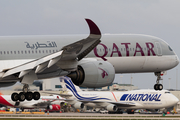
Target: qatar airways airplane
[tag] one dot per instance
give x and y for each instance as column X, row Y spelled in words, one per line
column 89, row 61
column 47, row 102
column 113, row 101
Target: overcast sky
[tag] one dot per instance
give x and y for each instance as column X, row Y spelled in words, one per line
column 160, row 18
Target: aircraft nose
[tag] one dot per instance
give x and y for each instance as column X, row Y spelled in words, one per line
column 175, row 100
column 177, row 60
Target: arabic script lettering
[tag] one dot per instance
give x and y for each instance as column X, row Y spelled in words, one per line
column 41, row 45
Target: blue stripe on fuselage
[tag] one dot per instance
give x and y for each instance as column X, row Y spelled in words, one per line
column 72, row 88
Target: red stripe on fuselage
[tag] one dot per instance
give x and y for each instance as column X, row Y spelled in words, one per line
column 4, row 101
column 114, row 96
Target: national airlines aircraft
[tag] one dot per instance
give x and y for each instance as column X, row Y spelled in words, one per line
column 112, row 101
column 89, row 61
column 47, row 102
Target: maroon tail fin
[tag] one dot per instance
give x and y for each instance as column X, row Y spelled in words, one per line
column 93, row 27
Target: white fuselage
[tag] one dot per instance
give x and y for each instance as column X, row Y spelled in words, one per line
column 127, row 53
column 41, row 103
column 135, row 99
column 141, row 99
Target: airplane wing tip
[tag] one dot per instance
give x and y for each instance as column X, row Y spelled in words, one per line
column 93, row 27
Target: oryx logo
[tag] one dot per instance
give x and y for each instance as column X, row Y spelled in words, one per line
column 72, row 88
column 140, row 97
column 104, row 73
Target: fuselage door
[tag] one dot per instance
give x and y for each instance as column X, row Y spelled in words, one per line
column 158, row 49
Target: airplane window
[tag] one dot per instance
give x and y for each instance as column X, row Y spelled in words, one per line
column 170, row 48
column 36, row 51
column 4, row 52
column 53, row 51
column 21, row 52
column 29, row 52
column 56, row 50
column 0, row 52
column 43, row 51
column 39, row 51
column 130, row 49
column 7, row 52
column 25, row 52
column 46, row 51
column 121, row 49
column 32, row 51
column 144, row 48
column 109, row 49
column 100, row 50
column 167, row 92
column 11, row 52
column 133, row 49
column 18, row 52
column 14, row 52
column 49, row 51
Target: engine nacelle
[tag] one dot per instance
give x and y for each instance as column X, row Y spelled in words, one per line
column 79, row 105
column 54, row 107
column 111, row 108
column 93, row 74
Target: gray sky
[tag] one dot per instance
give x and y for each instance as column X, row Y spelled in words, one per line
column 160, row 18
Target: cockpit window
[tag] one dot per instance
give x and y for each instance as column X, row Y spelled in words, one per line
column 170, row 48
column 167, row 92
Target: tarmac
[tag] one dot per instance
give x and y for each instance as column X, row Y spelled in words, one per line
column 92, row 116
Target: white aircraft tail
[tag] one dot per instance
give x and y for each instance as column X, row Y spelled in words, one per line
column 68, row 85
column 75, row 90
